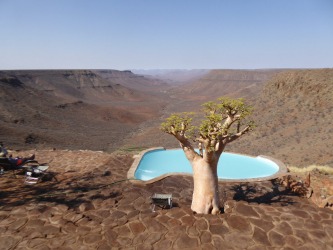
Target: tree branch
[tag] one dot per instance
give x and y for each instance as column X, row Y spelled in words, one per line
column 200, row 149
column 239, row 134
column 187, row 147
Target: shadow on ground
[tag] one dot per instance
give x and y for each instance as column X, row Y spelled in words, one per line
column 71, row 190
column 252, row 192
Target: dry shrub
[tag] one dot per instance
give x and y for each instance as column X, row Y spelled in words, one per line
column 296, row 185
column 322, row 169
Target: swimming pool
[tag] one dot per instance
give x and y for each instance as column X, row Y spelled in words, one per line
column 158, row 163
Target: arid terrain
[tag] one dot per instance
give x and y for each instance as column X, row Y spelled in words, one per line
column 113, row 110
column 86, row 125
column 91, row 205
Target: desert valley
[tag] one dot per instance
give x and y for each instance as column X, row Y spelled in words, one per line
column 109, row 110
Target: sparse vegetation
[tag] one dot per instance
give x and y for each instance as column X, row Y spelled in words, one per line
column 132, row 149
column 322, row 169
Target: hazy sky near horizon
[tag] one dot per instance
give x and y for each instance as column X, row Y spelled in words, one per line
column 170, row 34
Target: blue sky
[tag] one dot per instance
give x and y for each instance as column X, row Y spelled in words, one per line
column 165, row 34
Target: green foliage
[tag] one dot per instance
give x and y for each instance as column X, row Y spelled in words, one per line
column 211, row 126
column 216, row 114
column 227, row 106
column 133, row 149
column 221, row 118
column 179, row 123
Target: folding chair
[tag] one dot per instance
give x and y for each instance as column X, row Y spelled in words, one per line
column 161, row 200
column 35, row 173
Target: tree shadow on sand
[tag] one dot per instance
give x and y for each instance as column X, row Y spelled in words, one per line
column 71, row 191
column 252, row 192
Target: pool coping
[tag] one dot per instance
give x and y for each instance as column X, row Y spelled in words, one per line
column 137, row 158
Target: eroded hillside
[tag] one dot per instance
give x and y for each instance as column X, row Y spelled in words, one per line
column 234, row 83
column 76, row 109
column 294, row 117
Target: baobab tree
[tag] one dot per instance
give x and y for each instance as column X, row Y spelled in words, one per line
column 224, row 122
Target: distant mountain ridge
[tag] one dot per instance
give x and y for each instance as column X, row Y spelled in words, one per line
column 234, row 83
column 174, row 76
column 130, row 80
column 86, row 85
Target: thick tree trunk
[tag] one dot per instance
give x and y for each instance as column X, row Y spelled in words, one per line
column 205, row 194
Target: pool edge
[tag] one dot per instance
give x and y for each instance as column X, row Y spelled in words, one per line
column 131, row 172
column 135, row 164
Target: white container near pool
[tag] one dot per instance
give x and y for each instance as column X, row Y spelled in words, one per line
column 157, row 163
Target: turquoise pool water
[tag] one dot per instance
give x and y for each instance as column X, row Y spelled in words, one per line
column 231, row 166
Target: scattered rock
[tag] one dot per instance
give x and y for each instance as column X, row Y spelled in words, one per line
column 86, row 207
column 184, row 241
column 239, row 223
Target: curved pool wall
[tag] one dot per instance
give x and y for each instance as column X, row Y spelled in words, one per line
column 157, row 163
